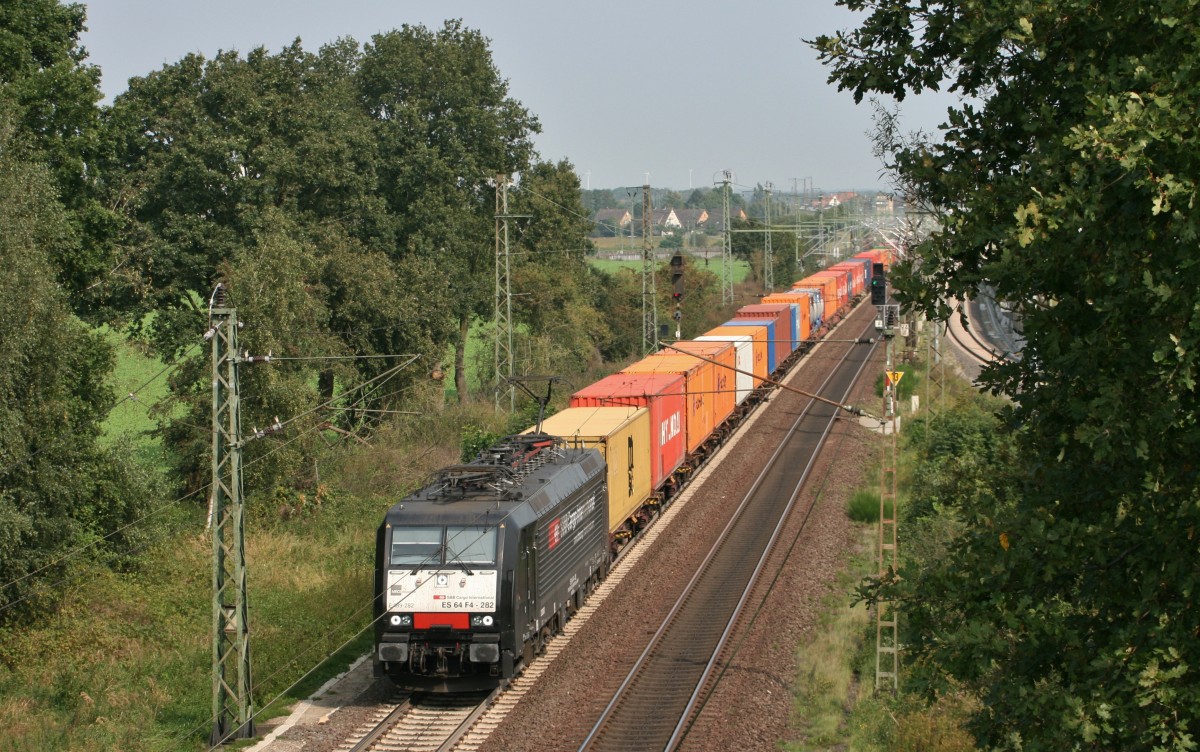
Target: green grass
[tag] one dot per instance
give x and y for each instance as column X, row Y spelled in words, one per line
column 827, row 679
column 864, row 506
column 126, row 663
column 143, row 375
column 741, row 269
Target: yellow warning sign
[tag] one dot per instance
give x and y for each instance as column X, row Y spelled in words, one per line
column 894, row 377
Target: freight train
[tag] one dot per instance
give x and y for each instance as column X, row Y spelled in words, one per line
column 476, row 570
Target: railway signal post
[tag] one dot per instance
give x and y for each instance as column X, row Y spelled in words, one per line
column 887, row 617
column 649, row 289
column 233, row 714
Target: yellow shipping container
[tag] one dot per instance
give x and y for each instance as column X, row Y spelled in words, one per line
column 622, row 434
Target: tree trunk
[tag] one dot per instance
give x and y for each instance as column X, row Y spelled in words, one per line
column 325, row 386
column 460, row 357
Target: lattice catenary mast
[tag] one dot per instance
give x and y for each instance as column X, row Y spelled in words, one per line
column 233, row 713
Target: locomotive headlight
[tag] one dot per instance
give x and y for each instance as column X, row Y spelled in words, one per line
column 487, row 621
column 482, row 620
column 400, row 620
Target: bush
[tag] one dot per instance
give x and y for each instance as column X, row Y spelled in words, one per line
column 908, row 383
column 864, row 506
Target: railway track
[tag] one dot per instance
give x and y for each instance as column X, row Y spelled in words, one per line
column 420, row 723
column 399, row 725
column 655, row 705
column 977, row 349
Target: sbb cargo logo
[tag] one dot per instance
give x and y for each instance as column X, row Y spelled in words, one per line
column 569, row 521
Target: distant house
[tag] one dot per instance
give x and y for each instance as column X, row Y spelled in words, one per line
column 666, row 219
column 691, row 218
column 832, row 200
column 611, row 221
column 715, row 222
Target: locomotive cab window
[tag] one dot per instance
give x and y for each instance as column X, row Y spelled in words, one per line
column 470, row 545
column 437, row 546
column 420, row 546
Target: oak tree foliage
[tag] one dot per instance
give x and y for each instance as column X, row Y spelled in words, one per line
column 60, row 491
column 1065, row 178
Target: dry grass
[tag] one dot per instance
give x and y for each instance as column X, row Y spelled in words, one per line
column 826, row 683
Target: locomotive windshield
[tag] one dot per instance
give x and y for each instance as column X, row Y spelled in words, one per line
column 471, row 545
column 416, row 545
column 434, row 546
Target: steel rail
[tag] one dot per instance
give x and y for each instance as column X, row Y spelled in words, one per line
column 686, row 719
column 383, row 726
column 394, row 721
column 740, row 521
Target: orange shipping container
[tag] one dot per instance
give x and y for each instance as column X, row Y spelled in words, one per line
column 758, row 335
column 796, row 299
column 724, row 395
column 829, row 290
column 699, row 382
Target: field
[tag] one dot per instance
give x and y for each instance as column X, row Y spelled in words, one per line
column 143, row 376
column 741, row 269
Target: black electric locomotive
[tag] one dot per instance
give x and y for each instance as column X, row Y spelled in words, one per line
column 477, row 569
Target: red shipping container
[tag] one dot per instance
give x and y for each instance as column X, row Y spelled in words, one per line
column 858, row 275
column 782, row 315
column 663, row 394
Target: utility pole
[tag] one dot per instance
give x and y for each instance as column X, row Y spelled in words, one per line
column 503, row 298
column 232, row 704
column 796, row 197
column 649, row 291
column 768, row 255
column 726, row 243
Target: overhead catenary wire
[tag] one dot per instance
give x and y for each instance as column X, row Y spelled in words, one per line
column 130, row 396
column 848, row 408
column 171, row 504
column 427, row 561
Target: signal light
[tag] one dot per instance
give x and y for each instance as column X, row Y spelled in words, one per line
column 879, row 291
column 677, row 277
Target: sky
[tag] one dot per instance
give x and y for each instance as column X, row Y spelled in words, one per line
column 630, row 91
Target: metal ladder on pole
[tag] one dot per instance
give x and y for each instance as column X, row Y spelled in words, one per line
column 887, row 614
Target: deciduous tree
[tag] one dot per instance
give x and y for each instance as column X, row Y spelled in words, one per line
column 1065, row 178
column 446, row 128
column 51, row 94
column 58, row 488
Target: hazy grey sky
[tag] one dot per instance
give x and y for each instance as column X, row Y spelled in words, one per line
column 622, row 87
